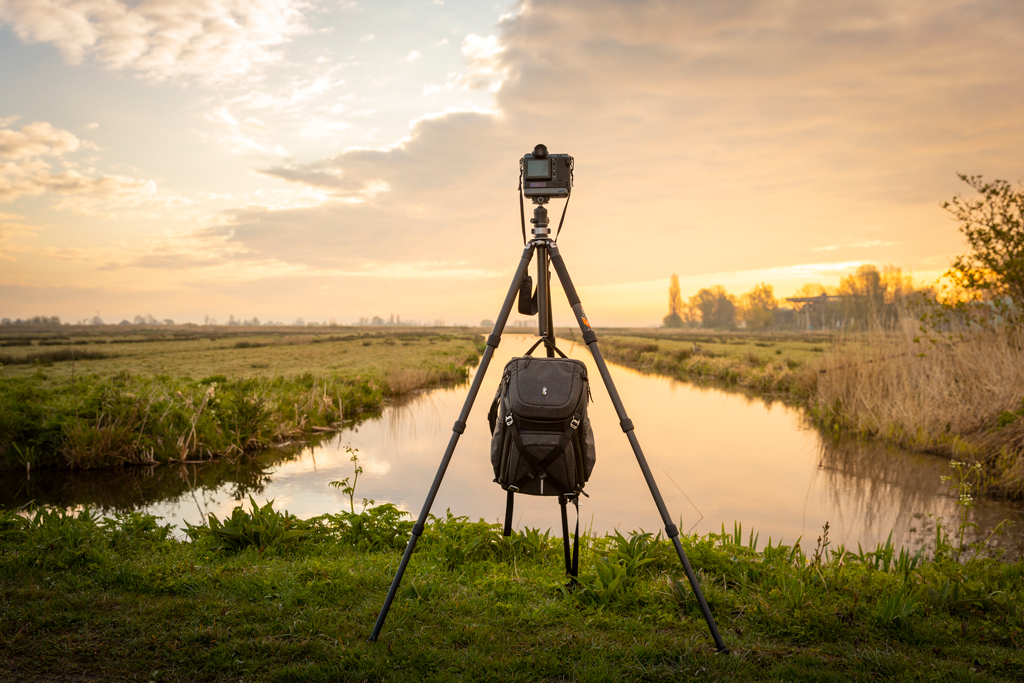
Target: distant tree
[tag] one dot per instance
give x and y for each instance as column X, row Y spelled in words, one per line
column 993, row 223
column 873, row 298
column 675, row 304
column 757, row 307
column 486, row 323
column 810, row 289
column 168, row 321
column 716, row 306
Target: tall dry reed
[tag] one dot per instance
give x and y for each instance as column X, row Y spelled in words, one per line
column 959, row 395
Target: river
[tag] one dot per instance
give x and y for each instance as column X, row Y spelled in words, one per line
column 719, row 457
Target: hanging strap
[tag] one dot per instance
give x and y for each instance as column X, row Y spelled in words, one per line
column 509, row 503
column 522, row 211
column 564, row 208
column 547, row 342
column 572, row 566
column 576, row 542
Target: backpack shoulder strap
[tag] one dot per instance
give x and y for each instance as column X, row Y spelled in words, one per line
column 548, row 343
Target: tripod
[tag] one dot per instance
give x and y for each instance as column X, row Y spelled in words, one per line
column 546, row 251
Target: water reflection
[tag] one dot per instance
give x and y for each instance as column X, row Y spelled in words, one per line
column 717, row 456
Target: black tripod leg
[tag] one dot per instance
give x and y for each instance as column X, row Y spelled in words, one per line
column 671, row 530
column 457, row 430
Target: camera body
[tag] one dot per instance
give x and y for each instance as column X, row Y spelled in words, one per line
column 547, row 175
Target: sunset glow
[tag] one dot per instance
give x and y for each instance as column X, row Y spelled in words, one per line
column 335, row 160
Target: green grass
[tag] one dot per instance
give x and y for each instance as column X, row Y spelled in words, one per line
column 118, row 599
column 160, row 397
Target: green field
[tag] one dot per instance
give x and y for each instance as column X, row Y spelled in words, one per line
column 101, row 397
column 213, row 351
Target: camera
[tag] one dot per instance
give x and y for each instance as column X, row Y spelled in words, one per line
column 546, row 175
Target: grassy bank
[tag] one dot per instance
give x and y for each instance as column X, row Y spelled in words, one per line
column 155, row 396
column 770, row 365
column 262, row 596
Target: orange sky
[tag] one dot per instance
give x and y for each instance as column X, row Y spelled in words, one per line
column 286, row 159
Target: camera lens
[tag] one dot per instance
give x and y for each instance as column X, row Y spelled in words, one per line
column 540, row 151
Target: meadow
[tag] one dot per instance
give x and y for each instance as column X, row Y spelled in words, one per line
column 103, row 397
column 263, row 596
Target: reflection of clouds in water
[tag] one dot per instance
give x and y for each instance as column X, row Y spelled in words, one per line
column 374, row 467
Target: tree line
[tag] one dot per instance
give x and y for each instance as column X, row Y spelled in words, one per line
column 864, row 298
column 986, row 284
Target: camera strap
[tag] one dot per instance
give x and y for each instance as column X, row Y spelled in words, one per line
column 560, row 220
column 564, row 208
column 522, row 211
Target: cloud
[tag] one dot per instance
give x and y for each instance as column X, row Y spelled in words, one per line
column 413, row 56
column 485, row 68
column 35, row 140
column 112, row 196
column 709, row 139
column 294, row 96
column 731, row 136
column 25, row 172
column 210, row 41
column 247, row 137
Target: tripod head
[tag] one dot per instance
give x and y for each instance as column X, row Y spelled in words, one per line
column 540, row 230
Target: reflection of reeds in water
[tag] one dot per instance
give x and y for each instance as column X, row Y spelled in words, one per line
column 961, row 397
column 877, row 487
column 881, row 489
column 126, row 489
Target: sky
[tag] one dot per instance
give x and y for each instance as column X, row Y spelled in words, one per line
column 334, row 160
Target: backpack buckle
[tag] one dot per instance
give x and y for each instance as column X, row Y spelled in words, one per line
column 575, row 421
column 508, row 419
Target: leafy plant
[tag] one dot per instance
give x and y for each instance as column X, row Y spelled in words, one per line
column 896, row 605
column 375, row 528
column 349, row 489
column 261, row 528
column 135, row 530
column 457, row 541
column 13, row 525
column 61, row 539
column 617, row 571
column 961, row 486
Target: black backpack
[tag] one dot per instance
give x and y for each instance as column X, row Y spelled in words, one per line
column 542, row 443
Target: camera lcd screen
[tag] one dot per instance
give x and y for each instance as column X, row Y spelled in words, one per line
column 538, row 169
